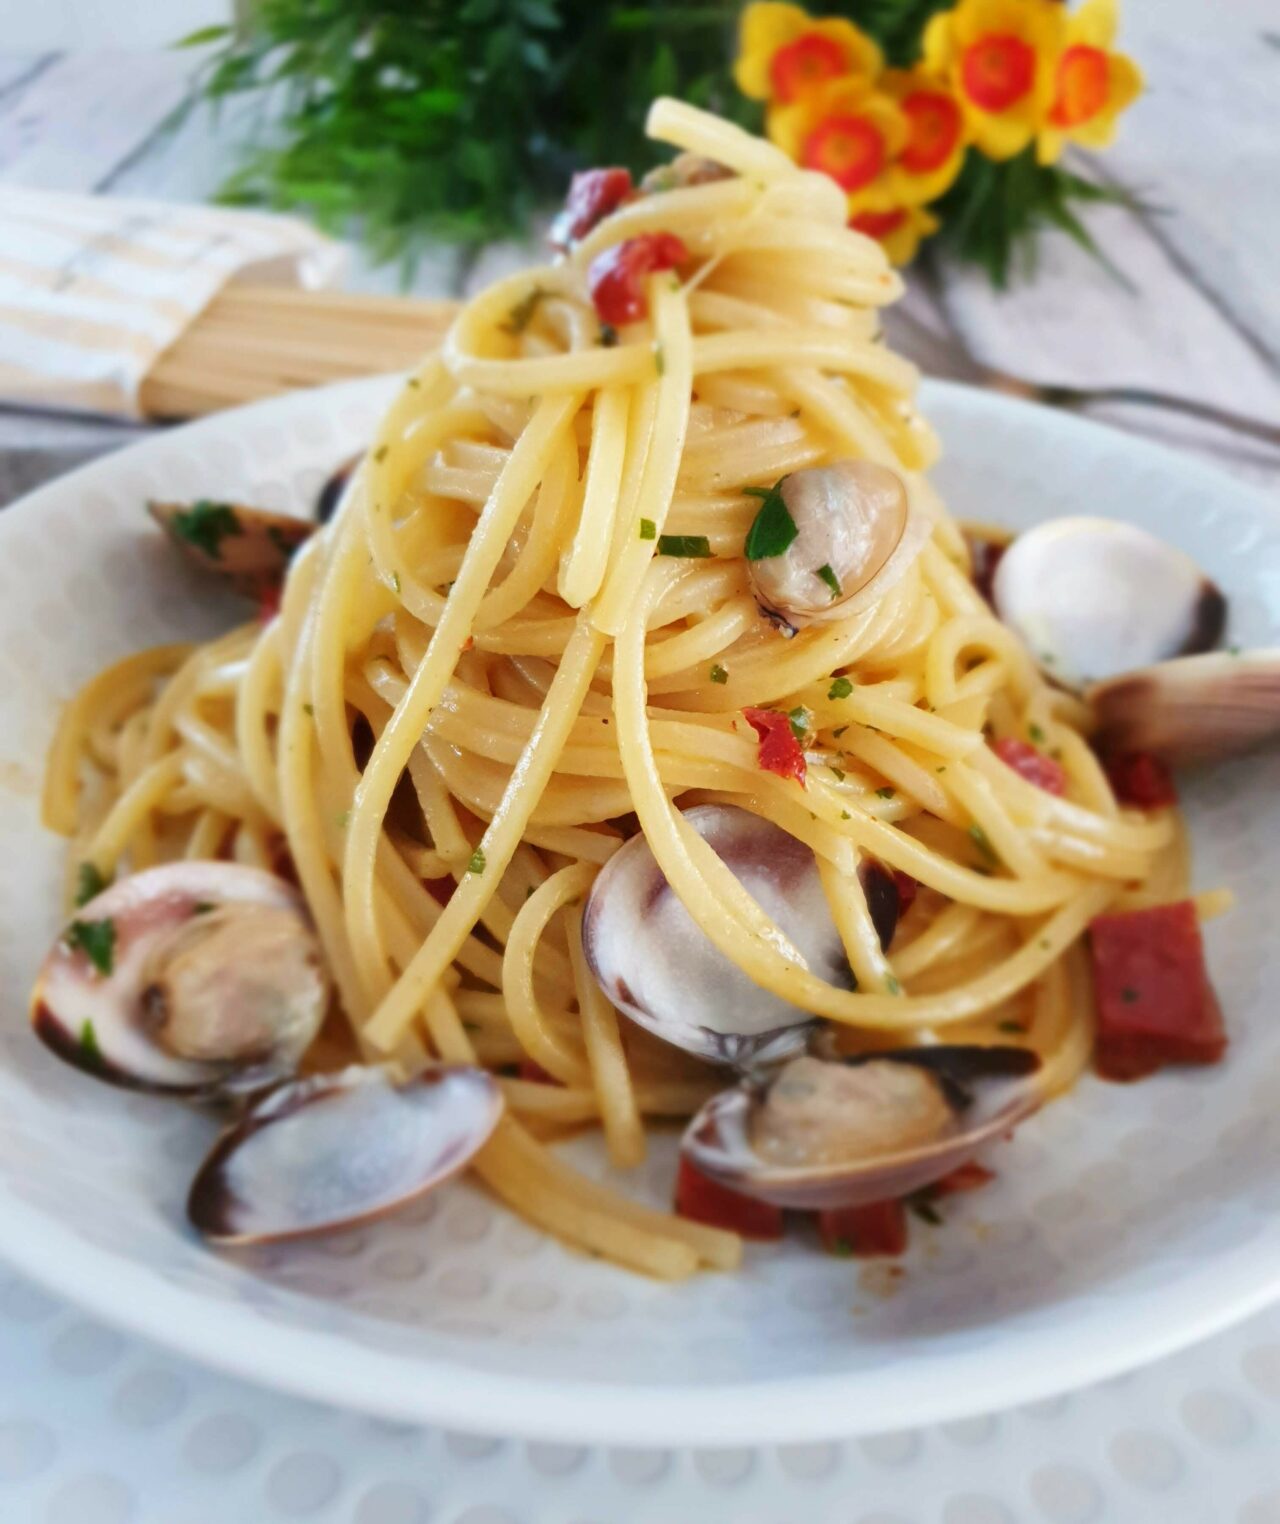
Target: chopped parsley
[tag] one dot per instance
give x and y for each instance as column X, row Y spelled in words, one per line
column 838, row 733
column 982, row 841
column 840, row 688
column 205, row 525
column 648, row 529
column 799, row 717
column 839, row 774
column 773, row 529
column 282, row 541
column 696, row 546
column 718, row 674
column 1014, row 1028
column 96, row 940
column 90, row 882
column 660, row 359
column 380, row 454
column 395, row 581
column 1036, row 734
column 926, row 1211
column 845, row 815
column 475, row 863
column 309, row 709
column 89, row 1043
column 608, row 335
column 886, row 792
column 521, row 315
column 830, row 578
column 344, row 819
column 893, row 984
column 203, row 907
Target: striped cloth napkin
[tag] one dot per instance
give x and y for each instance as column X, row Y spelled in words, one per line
column 93, row 290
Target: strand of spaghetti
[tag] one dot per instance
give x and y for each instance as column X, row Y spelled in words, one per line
column 528, row 780
column 583, row 566
column 558, row 1104
column 259, row 695
column 544, row 1045
column 132, row 675
column 391, row 752
column 949, row 928
column 619, row 1107
column 847, row 902
column 137, row 801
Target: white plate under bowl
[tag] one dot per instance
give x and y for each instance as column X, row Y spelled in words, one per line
column 1126, row 1220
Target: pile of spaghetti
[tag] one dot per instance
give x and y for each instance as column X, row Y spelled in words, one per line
column 529, row 631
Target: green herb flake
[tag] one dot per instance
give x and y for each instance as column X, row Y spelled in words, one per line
column 940, row 769
column 309, row 709
column 89, row 1048
column 886, row 792
column 521, row 315
column 838, row 733
column 380, row 454
column 982, row 841
column 608, row 336
column 1036, row 734
column 203, row 907
column 395, row 581
column 773, row 529
column 893, row 984
column 413, row 383
column 475, row 863
column 845, row 815
column 799, row 717
column 838, row 772
column 1129, row 995
column 840, row 688
column 718, row 674
column 660, row 359
column 694, row 546
column 96, row 940
column 90, row 882
column 1014, row 1028
column 926, row 1212
column 205, row 525
column 648, row 529
column 344, row 819
column 830, row 578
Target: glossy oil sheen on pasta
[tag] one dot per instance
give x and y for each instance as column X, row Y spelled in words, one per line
column 482, row 666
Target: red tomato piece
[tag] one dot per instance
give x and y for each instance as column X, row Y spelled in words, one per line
column 1155, row 1003
column 880, row 1227
column 701, row 1199
column 1141, row 779
column 1032, row 765
column 616, row 277
column 269, row 602
column 780, row 751
column 967, row 1177
column 593, row 195
column 908, row 888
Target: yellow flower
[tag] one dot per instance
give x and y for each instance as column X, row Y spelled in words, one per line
column 849, row 130
column 1092, row 85
column 899, row 231
column 1001, row 58
column 937, row 136
column 784, row 52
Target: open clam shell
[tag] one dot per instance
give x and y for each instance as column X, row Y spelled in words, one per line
column 820, row 1134
column 249, row 547
column 195, row 979
column 1092, row 598
column 1195, row 709
column 658, row 968
column 340, row 1149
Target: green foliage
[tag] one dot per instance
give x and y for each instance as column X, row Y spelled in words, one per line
column 897, row 25
column 405, row 121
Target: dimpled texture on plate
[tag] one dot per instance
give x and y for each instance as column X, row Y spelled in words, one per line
column 1124, row 1221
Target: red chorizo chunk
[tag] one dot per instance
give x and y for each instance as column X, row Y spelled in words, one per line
column 1032, row 765
column 701, row 1199
column 879, row 1227
column 1155, row 1003
column 616, row 277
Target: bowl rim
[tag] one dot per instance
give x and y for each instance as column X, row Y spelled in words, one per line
column 1032, row 1361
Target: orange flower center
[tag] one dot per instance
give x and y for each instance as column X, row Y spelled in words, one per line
column 998, row 71
column 878, row 224
column 848, row 148
column 1082, row 86
column 933, row 123
column 807, row 61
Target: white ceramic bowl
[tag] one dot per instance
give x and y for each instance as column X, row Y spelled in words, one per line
column 1125, row 1222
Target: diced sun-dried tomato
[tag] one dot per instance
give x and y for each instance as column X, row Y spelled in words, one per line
column 780, row 751
column 702, row 1199
column 1155, row 1003
column 880, row 1227
column 616, row 277
column 593, row 195
column 1141, row 779
column 965, row 1177
column 1031, row 764
column 908, row 888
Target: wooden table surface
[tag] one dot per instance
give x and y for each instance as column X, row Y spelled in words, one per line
column 1198, row 312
